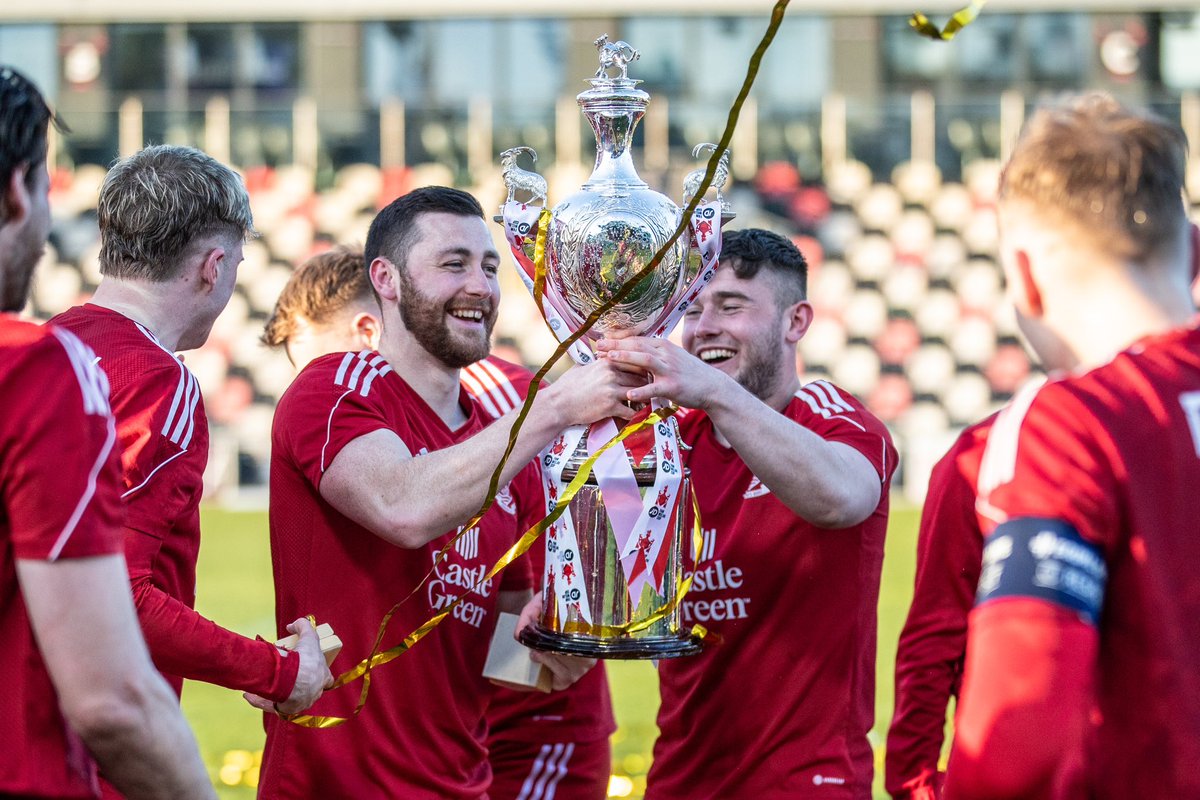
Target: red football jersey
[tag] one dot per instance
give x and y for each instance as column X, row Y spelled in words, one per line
column 59, row 498
column 162, row 436
column 933, row 643
column 1107, row 462
column 582, row 713
column 780, row 706
column 421, row 734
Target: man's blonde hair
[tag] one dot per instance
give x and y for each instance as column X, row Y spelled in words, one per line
column 156, row 204
column 1114, row 174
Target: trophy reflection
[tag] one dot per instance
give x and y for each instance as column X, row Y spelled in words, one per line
column 613, row 580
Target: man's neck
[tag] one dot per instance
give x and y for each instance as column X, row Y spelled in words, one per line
column 1100, row 320
column 146, row 303
column 437, row 384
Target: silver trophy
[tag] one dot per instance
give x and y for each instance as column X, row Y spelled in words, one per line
column 596, row 241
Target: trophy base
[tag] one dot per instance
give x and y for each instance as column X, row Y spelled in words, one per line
column 659, row 647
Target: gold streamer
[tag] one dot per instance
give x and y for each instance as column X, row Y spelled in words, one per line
column 539, row 260
column 959, row 20
column 377, row 658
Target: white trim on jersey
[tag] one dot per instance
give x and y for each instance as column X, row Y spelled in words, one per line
column 93, row 384
column 364, row 361
column 329, row 422
column 178, row 429
column 825, row 400
column 548, row 769
column 151, row 475
column 481, row 394
column 491, row 388
column 999, row 462
column 88, row 492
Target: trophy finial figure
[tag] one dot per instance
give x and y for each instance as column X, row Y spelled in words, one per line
column 615, row 54
column 518, row 179
column 691, row 183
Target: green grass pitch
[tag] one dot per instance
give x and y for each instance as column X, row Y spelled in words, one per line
column 234, row 589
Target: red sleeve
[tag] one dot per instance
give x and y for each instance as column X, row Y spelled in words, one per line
column 1026, row 691
column 58, row 466
column 933, row 643
column 319, row 401
column 165, row 479
column 838, row 416
column 185, row 644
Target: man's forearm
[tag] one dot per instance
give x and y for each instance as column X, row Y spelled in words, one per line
column 148, row 752
column 816, row 479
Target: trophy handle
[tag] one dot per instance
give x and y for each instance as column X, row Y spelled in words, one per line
column 518, row 179
column 692, row 181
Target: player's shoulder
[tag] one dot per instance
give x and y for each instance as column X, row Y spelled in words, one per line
column 16, row 335
column 496, row 385
column 43, row 360
column 337, row 374
column 130, row 352
column 821, row 399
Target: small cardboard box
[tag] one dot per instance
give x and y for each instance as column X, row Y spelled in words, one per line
column 331, row 645
column 508, row 662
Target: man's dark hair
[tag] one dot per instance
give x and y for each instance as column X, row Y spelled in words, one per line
column 393, row 229
column 25, row 120
column 747, row 251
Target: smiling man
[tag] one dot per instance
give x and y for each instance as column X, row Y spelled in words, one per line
column 792, row 481
column 378, row 458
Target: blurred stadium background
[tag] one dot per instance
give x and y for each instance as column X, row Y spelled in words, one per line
column 876, row 150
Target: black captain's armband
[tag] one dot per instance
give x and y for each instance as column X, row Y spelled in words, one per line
column 1043, row 559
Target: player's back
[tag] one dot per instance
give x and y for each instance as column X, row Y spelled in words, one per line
column 1145, row 409
column 1150, row 642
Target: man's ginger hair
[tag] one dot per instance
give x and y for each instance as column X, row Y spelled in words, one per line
column 319, row 289
column 1114, row 174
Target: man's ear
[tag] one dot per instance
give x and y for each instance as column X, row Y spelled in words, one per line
column 214, row 260
column 367, row 329
column 1194, row 257
column 15, row 202
column 798, row 318
column 1027, row 288
column 385, row 279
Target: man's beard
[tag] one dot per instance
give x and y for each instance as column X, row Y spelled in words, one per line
column 426, row 321
column 17, row 277
column 760, row 368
